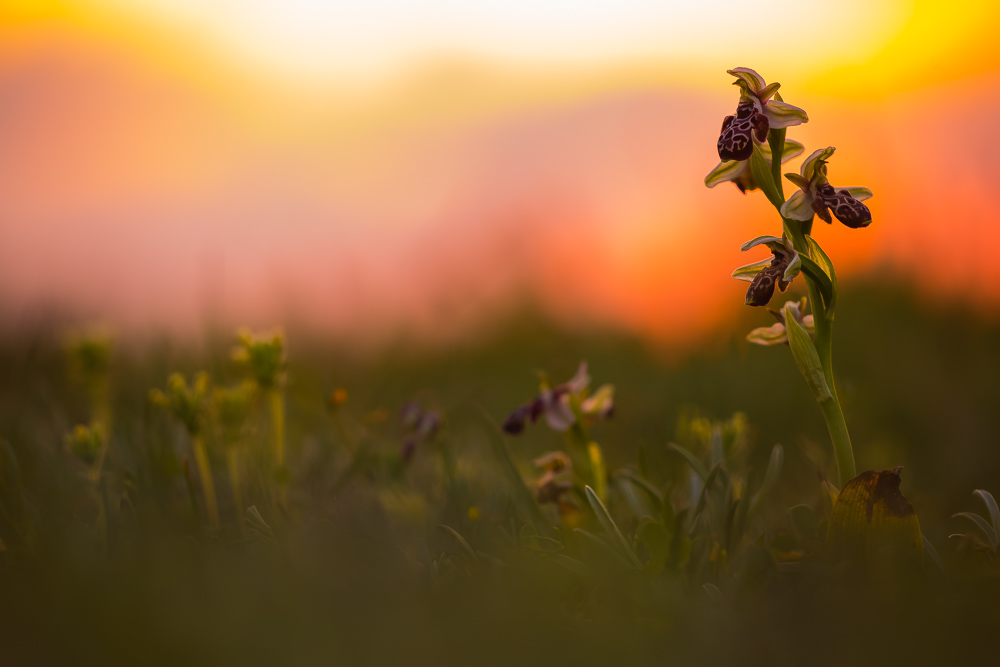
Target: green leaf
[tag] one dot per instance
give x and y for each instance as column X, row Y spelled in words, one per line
column 609, row 526
column 806, row 358
column 783, row 114
column 823, row 261
column 573, row 565
column 991, row 505
column 822, row 280
column 761, row 171
column 654, row 493
column 657, row 539
column 774, row 466
column 602, row 547
column 691, row 459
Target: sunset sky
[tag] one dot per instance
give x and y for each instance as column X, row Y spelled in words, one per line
column 371, row 168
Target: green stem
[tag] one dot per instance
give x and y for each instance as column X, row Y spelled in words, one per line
column 278, row 442
column 233, row 460
column 207, row 485
column 823, row 323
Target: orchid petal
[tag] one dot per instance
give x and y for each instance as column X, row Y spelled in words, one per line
column 579, row 381
column 765, row 93
column 772, row 335
column 762, row 239
column 748, row 272
column 858, row 192
column 798, row 206
column 601, row 403
column 801, row 182
column 558, row 414
column 793, row 268
column 812, row 163
column 753, row 80
column 729, row 170
column 782, row 114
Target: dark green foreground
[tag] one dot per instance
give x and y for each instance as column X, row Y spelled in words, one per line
column 356, row 569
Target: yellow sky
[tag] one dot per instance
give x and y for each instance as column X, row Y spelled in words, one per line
column 326, row 44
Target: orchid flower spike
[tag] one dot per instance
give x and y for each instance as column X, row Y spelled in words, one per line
column 740, row 173
column 765, row 275
column 561, row 404
column 816, row 195
column 777, row 334
column 756, row 113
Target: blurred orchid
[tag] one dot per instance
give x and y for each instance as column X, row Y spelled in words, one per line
column 776, row 334
column 764, row 275
column 739, row 172
column 756, row 114
column 557, row 404
column 816, row 195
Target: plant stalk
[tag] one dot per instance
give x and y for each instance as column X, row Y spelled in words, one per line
column 278, row 441
column 207, row 485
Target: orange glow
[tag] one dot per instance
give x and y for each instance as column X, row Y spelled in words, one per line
column 152, row 175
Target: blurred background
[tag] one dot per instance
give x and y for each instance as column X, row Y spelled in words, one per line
column 378, row 168
column 459, row 193
column 435, row 199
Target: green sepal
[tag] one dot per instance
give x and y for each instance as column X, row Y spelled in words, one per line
column 768, row 240
column 748, row 272
column 858, row 192
column 782, row 114
column 724, row 171
column 769, row 336
column 748, row 77
column 815, row 161
column 798, row 207
column 806, row 358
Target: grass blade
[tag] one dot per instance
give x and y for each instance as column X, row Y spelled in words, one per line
column 774, row 466
column 980, row 522
column 609, row 526
column 469, row 551
column 991, row 505
column 692, row 460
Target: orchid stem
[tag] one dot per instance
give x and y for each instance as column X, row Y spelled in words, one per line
column 833, row 413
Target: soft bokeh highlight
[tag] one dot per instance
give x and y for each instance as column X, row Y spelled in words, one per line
column 167, row 164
